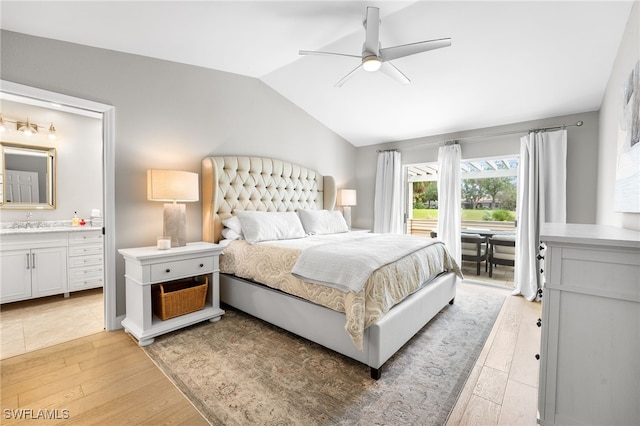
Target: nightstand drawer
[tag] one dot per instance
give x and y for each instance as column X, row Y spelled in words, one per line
column 181, row 268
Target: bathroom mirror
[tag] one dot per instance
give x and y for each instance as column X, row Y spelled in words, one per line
column 28, row 177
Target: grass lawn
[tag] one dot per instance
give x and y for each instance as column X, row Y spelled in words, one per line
column 467, row 214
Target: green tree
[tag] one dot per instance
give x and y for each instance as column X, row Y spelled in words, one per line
column 508, row 198
column 472, row 192
column 424, row 193
column 493, row 186
column 419, row 194
column 431, row 193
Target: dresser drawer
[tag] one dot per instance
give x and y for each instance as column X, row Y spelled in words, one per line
column 85, row 250
column 180, row 268
column 85, row 237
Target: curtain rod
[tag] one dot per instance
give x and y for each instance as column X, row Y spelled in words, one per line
column 388, row 150
column 489, row 135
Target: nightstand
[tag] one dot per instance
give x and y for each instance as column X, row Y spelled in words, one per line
column 145, row 266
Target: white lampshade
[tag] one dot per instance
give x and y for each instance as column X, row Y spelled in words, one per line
column 172, row 185
column 347, row 197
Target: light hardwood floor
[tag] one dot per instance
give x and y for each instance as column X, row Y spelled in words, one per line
column 106, row 378
column 503, row 386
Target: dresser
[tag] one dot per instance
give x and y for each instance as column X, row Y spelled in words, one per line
column 148, row 266
column 590, row 341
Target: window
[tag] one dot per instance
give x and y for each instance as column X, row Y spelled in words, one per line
column 488, row 192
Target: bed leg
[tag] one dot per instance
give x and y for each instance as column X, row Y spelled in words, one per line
column 376, row 373
column 452, row 300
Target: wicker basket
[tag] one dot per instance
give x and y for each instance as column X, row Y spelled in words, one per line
column 180, row 297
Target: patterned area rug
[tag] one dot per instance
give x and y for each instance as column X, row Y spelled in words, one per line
column 241, row 370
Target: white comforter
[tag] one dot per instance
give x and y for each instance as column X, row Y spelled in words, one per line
column 347, row 266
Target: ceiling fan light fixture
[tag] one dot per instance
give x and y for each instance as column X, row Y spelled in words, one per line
column 371, row 63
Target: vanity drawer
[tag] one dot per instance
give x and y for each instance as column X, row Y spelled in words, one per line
column 86, row 271
column 85, row 237
column 85, row 281
column 81, row 261
column 180, row 268
column 85, row 250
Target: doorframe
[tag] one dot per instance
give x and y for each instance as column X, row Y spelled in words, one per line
column 107, row 113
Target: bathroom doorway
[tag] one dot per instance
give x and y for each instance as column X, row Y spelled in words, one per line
column 83, row 138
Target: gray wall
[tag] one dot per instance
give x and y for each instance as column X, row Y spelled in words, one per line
column 610, row 110
column 171, row 115
column 582, row 152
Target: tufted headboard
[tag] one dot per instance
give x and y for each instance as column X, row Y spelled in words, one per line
column 256, row 183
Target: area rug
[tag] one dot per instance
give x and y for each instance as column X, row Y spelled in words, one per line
column 241, row 370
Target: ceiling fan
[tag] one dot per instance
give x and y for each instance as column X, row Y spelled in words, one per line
column 375, row 58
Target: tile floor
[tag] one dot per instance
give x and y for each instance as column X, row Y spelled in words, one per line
column 502, row 275
column 39, row 323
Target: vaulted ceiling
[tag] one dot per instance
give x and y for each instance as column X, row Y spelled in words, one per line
column 509, row 61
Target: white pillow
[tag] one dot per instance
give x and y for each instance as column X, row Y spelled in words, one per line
column 230, row 234
column 320, row 222
column 234, row 224
column 269, row 226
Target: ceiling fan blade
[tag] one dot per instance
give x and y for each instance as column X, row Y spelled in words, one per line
column 389, row 69
column 372, row 31
column 391, row 53
column 347, row 77
column 316, row 52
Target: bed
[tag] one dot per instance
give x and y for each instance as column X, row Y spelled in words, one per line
column 238, row 187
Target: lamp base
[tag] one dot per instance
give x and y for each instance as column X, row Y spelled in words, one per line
column 175, row 224
column 346, row 212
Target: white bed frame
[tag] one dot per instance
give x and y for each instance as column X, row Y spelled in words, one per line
column 240, row 183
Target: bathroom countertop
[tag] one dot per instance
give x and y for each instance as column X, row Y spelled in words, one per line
column 47, row 229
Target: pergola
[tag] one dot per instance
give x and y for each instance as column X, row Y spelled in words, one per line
column 471, row 169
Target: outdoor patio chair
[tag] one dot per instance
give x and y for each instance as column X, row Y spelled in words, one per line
column 474, row 249
column 502, row 251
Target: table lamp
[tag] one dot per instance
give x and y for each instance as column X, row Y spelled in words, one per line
column 346, row 199
column 173, row 186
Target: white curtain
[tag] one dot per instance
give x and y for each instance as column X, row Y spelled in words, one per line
column 387, row 208
column 449, row 199
column 542, row 195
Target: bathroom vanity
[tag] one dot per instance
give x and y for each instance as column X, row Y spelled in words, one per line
column 45, row 261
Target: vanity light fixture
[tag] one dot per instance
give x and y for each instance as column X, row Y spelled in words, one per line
column 52, row 132
column 27, row 128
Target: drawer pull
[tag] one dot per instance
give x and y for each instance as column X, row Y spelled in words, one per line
column 537, row 356
column 202, row 265
column 539, row 322
column 167, row 270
